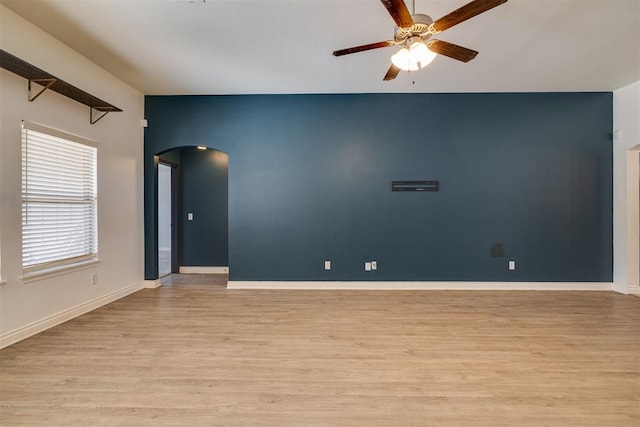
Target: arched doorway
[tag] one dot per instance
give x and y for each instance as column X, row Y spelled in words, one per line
column 200, row 210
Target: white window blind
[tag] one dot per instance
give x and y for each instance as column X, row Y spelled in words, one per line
column 59, row 199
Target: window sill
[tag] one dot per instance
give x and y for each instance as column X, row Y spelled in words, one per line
column 57, row 271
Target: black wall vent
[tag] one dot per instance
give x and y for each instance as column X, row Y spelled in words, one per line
column 415, row 185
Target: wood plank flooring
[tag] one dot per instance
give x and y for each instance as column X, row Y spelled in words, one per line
column 194, row 353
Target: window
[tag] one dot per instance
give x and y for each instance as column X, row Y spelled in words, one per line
column 59, row 199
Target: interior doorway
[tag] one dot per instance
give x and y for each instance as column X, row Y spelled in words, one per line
column 192, row 211
column 166, row 253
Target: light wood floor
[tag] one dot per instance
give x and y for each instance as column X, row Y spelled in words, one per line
column 195, row 353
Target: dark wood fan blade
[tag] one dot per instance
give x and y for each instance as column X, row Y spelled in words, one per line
column 399, row 12
column 451, row 50
column 392, row 73
column 362, row 48
column 467, row 11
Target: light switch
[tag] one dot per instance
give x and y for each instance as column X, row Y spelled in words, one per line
column 374, row 265
column 190, row 216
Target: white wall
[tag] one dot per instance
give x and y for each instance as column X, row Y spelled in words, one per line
column 28, row 307
column 626, row 120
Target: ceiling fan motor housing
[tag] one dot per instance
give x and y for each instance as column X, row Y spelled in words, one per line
column 420, row 28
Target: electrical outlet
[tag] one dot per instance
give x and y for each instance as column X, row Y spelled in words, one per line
column 512, row 265
column 374, row 265
column 367, row 266
column 190, row 216
column 327, row 265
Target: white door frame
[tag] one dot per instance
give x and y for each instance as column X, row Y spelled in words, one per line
column 633, row 220
column 171, row 169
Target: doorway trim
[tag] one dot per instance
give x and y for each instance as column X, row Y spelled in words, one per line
column 174, row 212
column 633, row 221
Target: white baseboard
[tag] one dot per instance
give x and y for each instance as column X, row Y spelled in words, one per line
column 620, row 288
column 152, row 284
column 203, row 270
column 34, row 328
column 398, row 286
column 633, row 290
column 623, row 288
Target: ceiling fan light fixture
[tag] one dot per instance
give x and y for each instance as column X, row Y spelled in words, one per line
column 415, row 57
column 413, row 32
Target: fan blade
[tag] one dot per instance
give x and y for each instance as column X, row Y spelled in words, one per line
column 451, row 50
column 392, row 73
column 362, row 48
column 467, row 11
column 399, row 12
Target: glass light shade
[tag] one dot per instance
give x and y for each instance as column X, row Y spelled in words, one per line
column 422, row 54
column 402, row 60
column 416, row 57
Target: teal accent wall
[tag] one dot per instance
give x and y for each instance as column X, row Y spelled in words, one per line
column 310, row 180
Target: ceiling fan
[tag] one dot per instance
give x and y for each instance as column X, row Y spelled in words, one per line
column 414, row 33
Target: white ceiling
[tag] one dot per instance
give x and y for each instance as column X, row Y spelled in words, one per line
column 284, row 46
